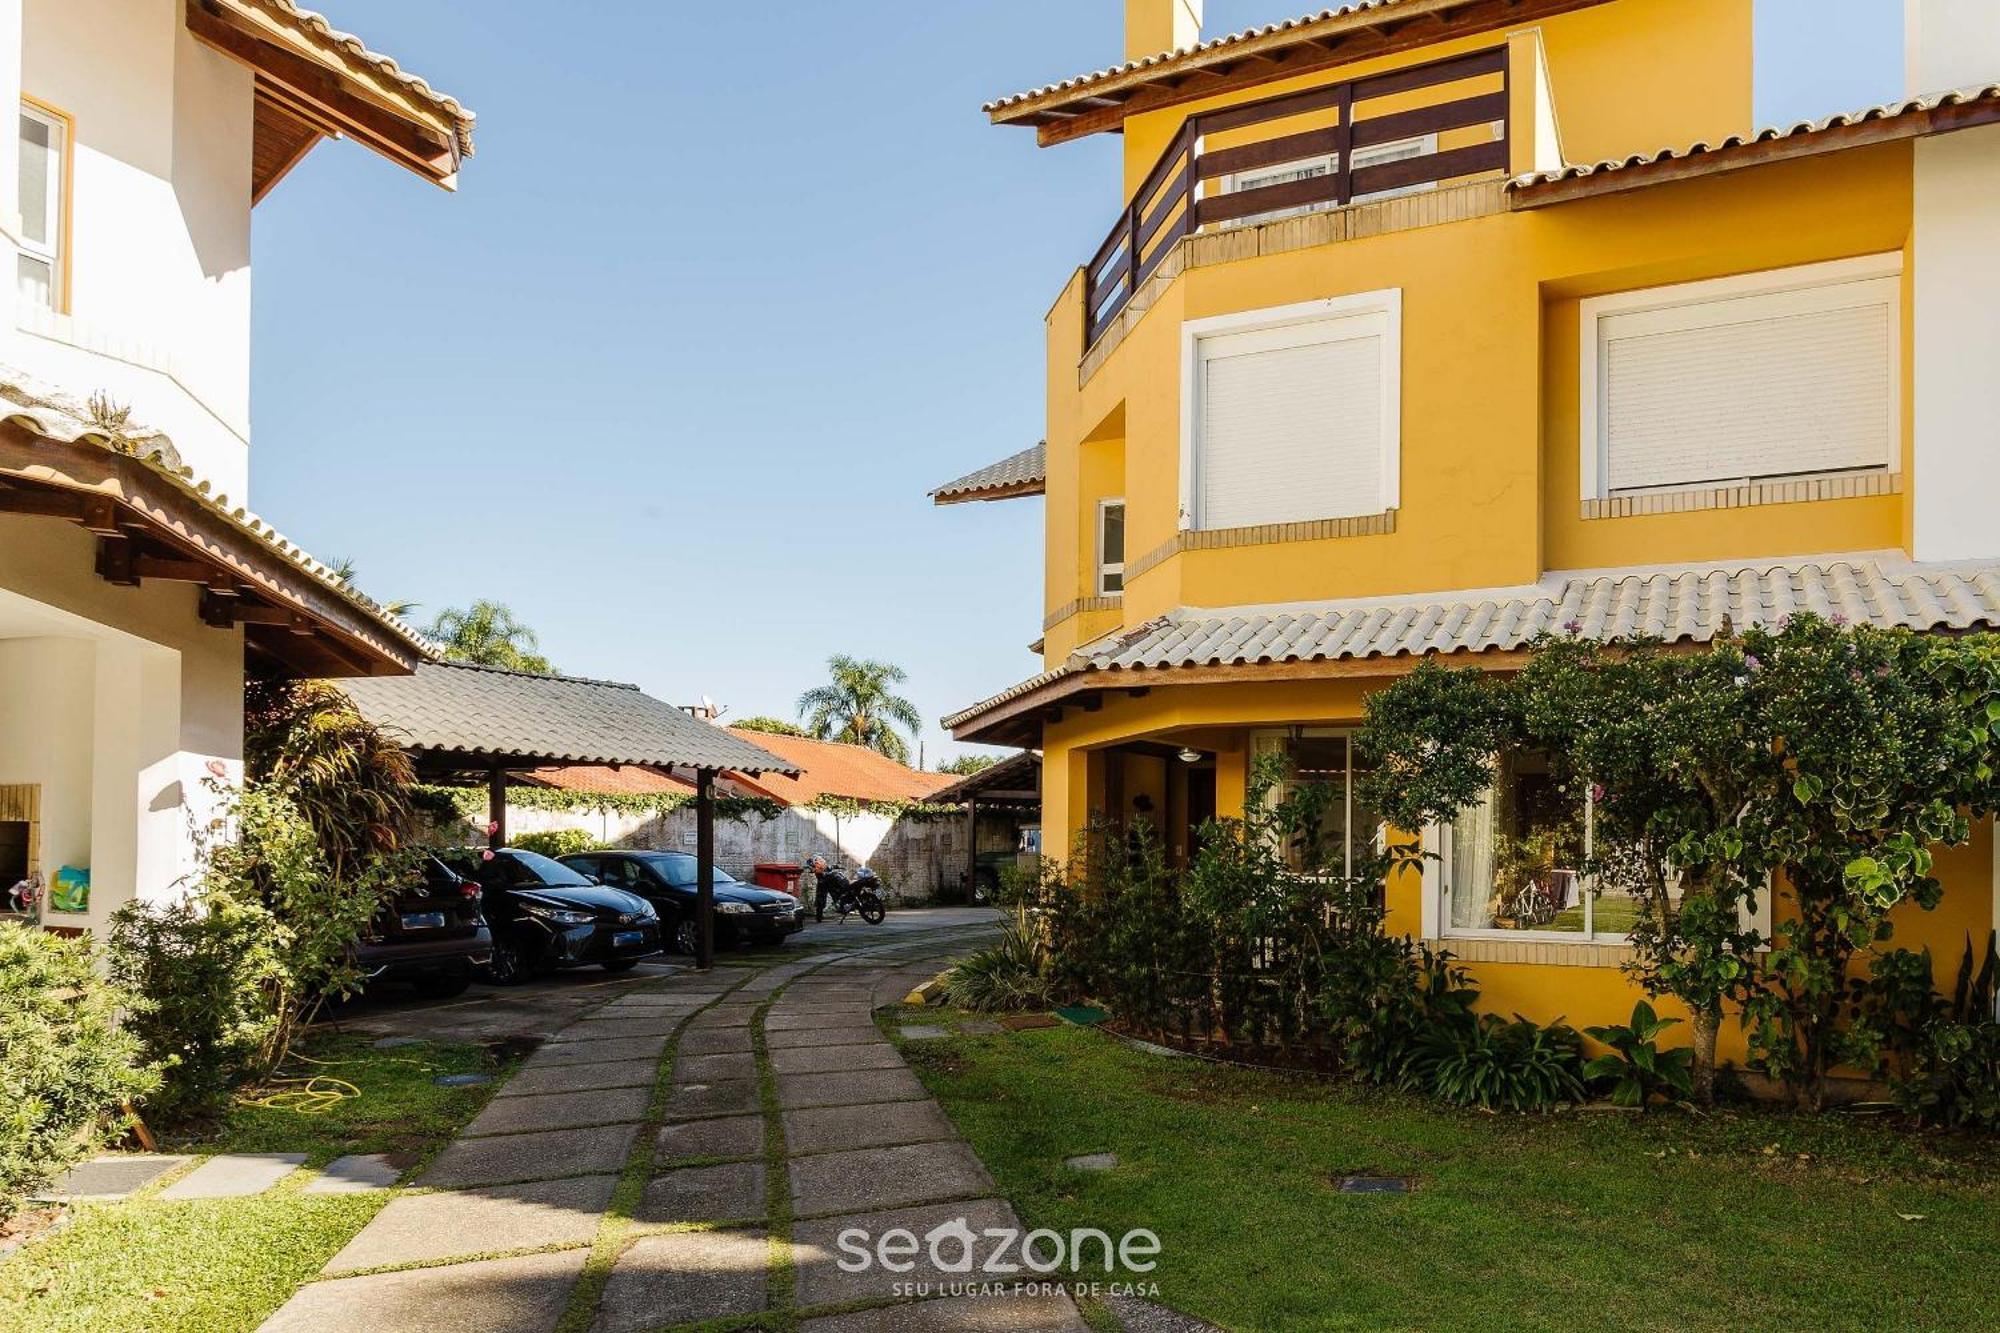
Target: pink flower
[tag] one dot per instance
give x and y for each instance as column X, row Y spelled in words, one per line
column 1837, row 619
column 1750, row 660
column 1597, row 792
column 1573, row 626
column 217, row 768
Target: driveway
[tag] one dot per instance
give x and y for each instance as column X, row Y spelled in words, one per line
column 544, row 1007
column 687, row 1148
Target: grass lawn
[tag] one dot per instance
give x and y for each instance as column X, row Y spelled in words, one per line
column 1583, row 1220
column 215, row 1265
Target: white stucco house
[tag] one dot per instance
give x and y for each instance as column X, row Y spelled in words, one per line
column 137, row 587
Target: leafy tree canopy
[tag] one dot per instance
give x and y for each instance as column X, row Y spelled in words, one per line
column 967, row 764
column 771, row 726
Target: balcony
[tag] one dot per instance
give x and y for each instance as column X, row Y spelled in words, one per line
column 1390, row 134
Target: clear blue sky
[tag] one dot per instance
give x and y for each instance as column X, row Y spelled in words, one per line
column 727, row 289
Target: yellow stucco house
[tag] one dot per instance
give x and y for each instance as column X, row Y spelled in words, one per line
column 1426, row 326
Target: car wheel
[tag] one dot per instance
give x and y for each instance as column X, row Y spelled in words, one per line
column 443, row 986
column 620, row 965
column 687, row 937
column 507, row 967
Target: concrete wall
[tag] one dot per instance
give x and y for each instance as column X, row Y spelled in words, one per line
column 114, row 702
column 159, row 221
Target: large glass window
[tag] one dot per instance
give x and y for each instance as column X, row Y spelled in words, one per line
column 1515, row 862
column 44, row 150
column 1346, row 830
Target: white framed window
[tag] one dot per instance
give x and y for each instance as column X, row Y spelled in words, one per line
column 1292, row 414
column 1325, row 164
column 44, row 189
column 1110, row 548
column 1511, row 867
column 1783, row 374
column 1325, row 756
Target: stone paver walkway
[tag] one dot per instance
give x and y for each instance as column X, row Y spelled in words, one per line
column 692, row 1152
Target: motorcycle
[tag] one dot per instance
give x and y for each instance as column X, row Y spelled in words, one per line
column 861, row 894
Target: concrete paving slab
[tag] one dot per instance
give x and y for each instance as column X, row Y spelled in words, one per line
column 512, row 1157
column 861, row 1085
column 1007, row 1313
column 850, row 1034
column 680, row 1279
column 419, row 1228
column 834, row 1059
column 581, row 1078
column 844, row 1128
column 597, row 1052
column 714, row 1041
column 921, row 1032
column 871, row 1178
column 724, row 1016
column 560, row 1110
column 647, row 1002
column 361, row 1173
column 1092, row 1161
column 704, row 1068
column 732, row 1192
column 784, row 1018
column 980, row 1027
column 112, row 1176
column 525, row 1295
column 722, row 1136
column 690, row 1101
column 233, row 1175
column 816, row 1252
column 605, row 1029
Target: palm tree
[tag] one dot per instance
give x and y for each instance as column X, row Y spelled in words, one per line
column 861, row 707
column 343, row 570
column 487, row 634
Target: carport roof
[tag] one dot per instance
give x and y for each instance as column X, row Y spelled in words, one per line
column 489, row 716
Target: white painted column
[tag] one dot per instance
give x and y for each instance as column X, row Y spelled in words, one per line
column 1955, row 291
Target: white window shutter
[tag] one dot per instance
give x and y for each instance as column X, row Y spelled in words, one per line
column 1775, row 384
column 1290, row 433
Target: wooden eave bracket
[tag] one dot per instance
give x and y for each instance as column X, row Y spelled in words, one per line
column 330, row 100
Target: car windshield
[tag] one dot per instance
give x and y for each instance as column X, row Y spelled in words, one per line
column 681, row 871
column 535, row 868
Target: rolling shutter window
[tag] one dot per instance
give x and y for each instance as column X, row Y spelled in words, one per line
column 1776, row 384
column 1292, row 423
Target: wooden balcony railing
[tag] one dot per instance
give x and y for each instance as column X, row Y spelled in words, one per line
column 1175, row 199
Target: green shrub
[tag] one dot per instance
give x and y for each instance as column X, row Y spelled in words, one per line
column 1943, row 1053
column 1003, row 977
column 66, row 1069
column 1499, row 1065
column 557, row 842
column 1636, row 1067
column 207, row 968
column 1384, row 993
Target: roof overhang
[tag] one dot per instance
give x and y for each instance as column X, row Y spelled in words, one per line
column 1935, row 113
column 314, row 82
column 152, row 528
column 1102, row 101
column 1495, row 629
column 1025, row 473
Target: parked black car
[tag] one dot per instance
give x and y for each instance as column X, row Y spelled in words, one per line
column 430, row 934
column 545, row 915
column 668, row 880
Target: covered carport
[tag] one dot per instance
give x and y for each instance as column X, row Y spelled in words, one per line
column 470, row 726
column 1010, row 790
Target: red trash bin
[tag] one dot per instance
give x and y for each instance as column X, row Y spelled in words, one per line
column 778, row 875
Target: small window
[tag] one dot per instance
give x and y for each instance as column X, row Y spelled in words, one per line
column 1110, row 548
column 1293, row 415
column 1782, row 375
column 44, row 184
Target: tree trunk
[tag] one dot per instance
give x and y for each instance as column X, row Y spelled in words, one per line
column 1707, row 1024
